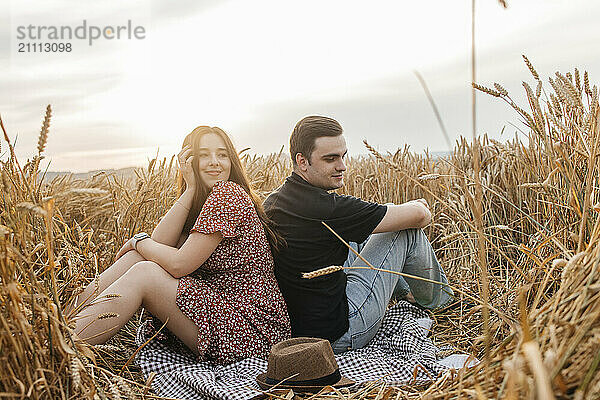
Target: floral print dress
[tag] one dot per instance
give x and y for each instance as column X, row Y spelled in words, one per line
column 233, row 297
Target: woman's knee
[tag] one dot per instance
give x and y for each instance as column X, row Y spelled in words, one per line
column 151, row 277
column 147, row 273
column 135, row 254
column 131, row 258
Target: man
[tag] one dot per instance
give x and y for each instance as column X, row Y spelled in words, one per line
column 345, row 307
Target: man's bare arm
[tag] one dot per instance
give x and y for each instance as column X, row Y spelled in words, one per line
column 412, row 214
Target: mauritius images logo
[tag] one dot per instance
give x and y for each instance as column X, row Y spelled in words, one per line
column 43, row 35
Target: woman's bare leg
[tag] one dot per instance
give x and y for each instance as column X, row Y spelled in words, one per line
column 110, row 275
column 144, row 284
column 105, row 279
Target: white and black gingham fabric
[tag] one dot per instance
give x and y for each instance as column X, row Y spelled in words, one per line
column 400, row 353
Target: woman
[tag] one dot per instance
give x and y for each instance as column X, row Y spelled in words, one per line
column 215, row 286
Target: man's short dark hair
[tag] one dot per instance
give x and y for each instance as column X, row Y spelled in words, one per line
column 307, row 130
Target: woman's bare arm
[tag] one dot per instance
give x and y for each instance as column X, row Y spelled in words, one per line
column 185, row 260
column 168, row 230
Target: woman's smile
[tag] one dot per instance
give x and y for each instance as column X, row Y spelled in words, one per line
column 213, row 159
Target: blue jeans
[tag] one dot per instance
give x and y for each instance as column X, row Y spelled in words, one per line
column 369, row 291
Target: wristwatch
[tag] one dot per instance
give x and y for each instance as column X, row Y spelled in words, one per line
column 138, row 237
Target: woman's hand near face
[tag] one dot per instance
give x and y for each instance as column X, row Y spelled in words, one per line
column 185, row 159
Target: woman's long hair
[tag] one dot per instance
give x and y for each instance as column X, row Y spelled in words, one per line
column 237, row 175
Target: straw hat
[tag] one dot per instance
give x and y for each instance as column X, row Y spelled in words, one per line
column 305, row 364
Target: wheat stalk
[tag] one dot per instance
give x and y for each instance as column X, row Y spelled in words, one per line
column 34, row 208
column 108, row 315
column 586, row 84
column 429, row 177
column 531, row 68
column 107, row 348
column 500, row 89
column 322, row 271
column 124, row 387
column 487, row 90
column 43, row 138
column 74, row 371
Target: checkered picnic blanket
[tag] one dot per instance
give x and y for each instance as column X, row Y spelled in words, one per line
column 400, row 353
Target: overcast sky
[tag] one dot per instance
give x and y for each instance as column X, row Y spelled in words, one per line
column 256, row 67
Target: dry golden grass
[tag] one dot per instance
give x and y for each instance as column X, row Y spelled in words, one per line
column 538, row 226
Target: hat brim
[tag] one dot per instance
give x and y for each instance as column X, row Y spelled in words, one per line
column 262, row 378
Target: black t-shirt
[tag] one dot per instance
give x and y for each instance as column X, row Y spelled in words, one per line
column 318, row 307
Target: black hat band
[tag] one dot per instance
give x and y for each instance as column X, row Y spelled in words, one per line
column 322, row 381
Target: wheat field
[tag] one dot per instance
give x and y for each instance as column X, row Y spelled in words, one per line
column 515, row 225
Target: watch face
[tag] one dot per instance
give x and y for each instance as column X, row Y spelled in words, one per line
column 139, row 236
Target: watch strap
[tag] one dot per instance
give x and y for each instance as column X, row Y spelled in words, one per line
column 139, row 237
